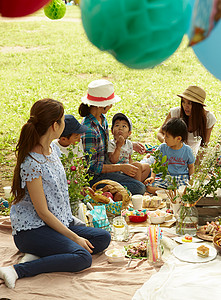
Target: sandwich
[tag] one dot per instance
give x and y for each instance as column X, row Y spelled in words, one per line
column 203, row 251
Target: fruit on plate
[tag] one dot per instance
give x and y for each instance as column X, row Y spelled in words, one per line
column 187, row 238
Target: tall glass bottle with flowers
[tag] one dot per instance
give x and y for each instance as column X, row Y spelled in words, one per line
column 77, row 177
column 205, row 181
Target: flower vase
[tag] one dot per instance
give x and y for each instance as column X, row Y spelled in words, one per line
column 176, row 207
column 187, row 220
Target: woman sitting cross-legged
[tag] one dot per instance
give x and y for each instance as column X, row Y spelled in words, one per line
column 41, row 217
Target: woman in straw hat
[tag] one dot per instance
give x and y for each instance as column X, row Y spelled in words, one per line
column 199, row 121
column 93, row 108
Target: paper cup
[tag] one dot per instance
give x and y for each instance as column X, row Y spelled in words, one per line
column 7, row 191
column 137, row 201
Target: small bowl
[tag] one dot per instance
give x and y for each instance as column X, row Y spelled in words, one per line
column 138, row 219
column 157, row 219
column 217, row 247
column 162, row 194
column 115, row 255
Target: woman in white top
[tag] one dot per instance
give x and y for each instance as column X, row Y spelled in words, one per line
column 199, row 121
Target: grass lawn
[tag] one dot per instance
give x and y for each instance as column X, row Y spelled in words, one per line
column 43, row 58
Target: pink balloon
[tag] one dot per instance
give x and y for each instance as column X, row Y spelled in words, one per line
column 20, row 8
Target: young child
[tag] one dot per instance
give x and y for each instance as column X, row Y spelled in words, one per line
column 71, row 135
column 180, row 157
column 120, row 148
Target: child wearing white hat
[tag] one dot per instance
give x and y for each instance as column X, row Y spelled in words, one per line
column 94, row 106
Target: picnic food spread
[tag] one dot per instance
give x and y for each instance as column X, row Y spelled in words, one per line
column 152, row 202
column 212, row 228
column 203, row 251
column 137, row 249
column 111, row 191
column 218, row 241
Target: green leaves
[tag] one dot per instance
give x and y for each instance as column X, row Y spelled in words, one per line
column 160, row 165
column 77, row 176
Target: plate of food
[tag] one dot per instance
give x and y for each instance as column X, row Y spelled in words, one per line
column 186, row 239
column 137, row 250
column 162, row 205
column 208, row 231
column 194, row 253
column 153, row 202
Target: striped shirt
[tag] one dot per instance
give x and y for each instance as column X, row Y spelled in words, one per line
column 95, row 138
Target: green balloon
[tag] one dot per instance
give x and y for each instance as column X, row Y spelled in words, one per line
column 138, row 33
column 55, row 9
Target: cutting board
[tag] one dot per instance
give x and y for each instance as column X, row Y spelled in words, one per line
column 167, row 224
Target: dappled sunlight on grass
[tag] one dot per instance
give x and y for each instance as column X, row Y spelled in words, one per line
column 44, row 58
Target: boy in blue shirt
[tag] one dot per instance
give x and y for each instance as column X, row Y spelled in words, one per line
column 180, row 157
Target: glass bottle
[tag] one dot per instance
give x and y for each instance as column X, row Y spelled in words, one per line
column 187, row 220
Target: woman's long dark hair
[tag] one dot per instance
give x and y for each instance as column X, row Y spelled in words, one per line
column 43, row 114
column 198, row 120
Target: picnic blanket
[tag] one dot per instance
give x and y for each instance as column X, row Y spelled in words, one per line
column 101, row 281
column 183, row 280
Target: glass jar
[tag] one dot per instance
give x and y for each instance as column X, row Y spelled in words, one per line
column 187, row 220
column 154, row 252
column 120, row 229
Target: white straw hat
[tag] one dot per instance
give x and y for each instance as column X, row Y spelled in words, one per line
column 100, row 93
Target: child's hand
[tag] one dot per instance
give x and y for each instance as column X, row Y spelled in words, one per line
column 149, row 180
column 120, row 141
column 138, row 147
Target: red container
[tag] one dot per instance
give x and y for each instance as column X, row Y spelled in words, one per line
column 138, row 219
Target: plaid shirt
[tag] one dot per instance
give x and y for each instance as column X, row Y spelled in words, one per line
column 95, row 138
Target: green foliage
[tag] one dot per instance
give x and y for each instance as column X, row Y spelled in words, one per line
column 43, row 58
column 207, row 177
column 77, row 176
column 160, row 166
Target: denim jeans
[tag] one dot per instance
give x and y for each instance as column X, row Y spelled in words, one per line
column 133, row 185
column 58, row 253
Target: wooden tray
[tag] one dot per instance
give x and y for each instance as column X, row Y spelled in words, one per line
column 167, row 224
column 203, row 236
column 162, row 205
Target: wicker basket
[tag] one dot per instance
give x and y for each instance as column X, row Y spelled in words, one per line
column 111, row 208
